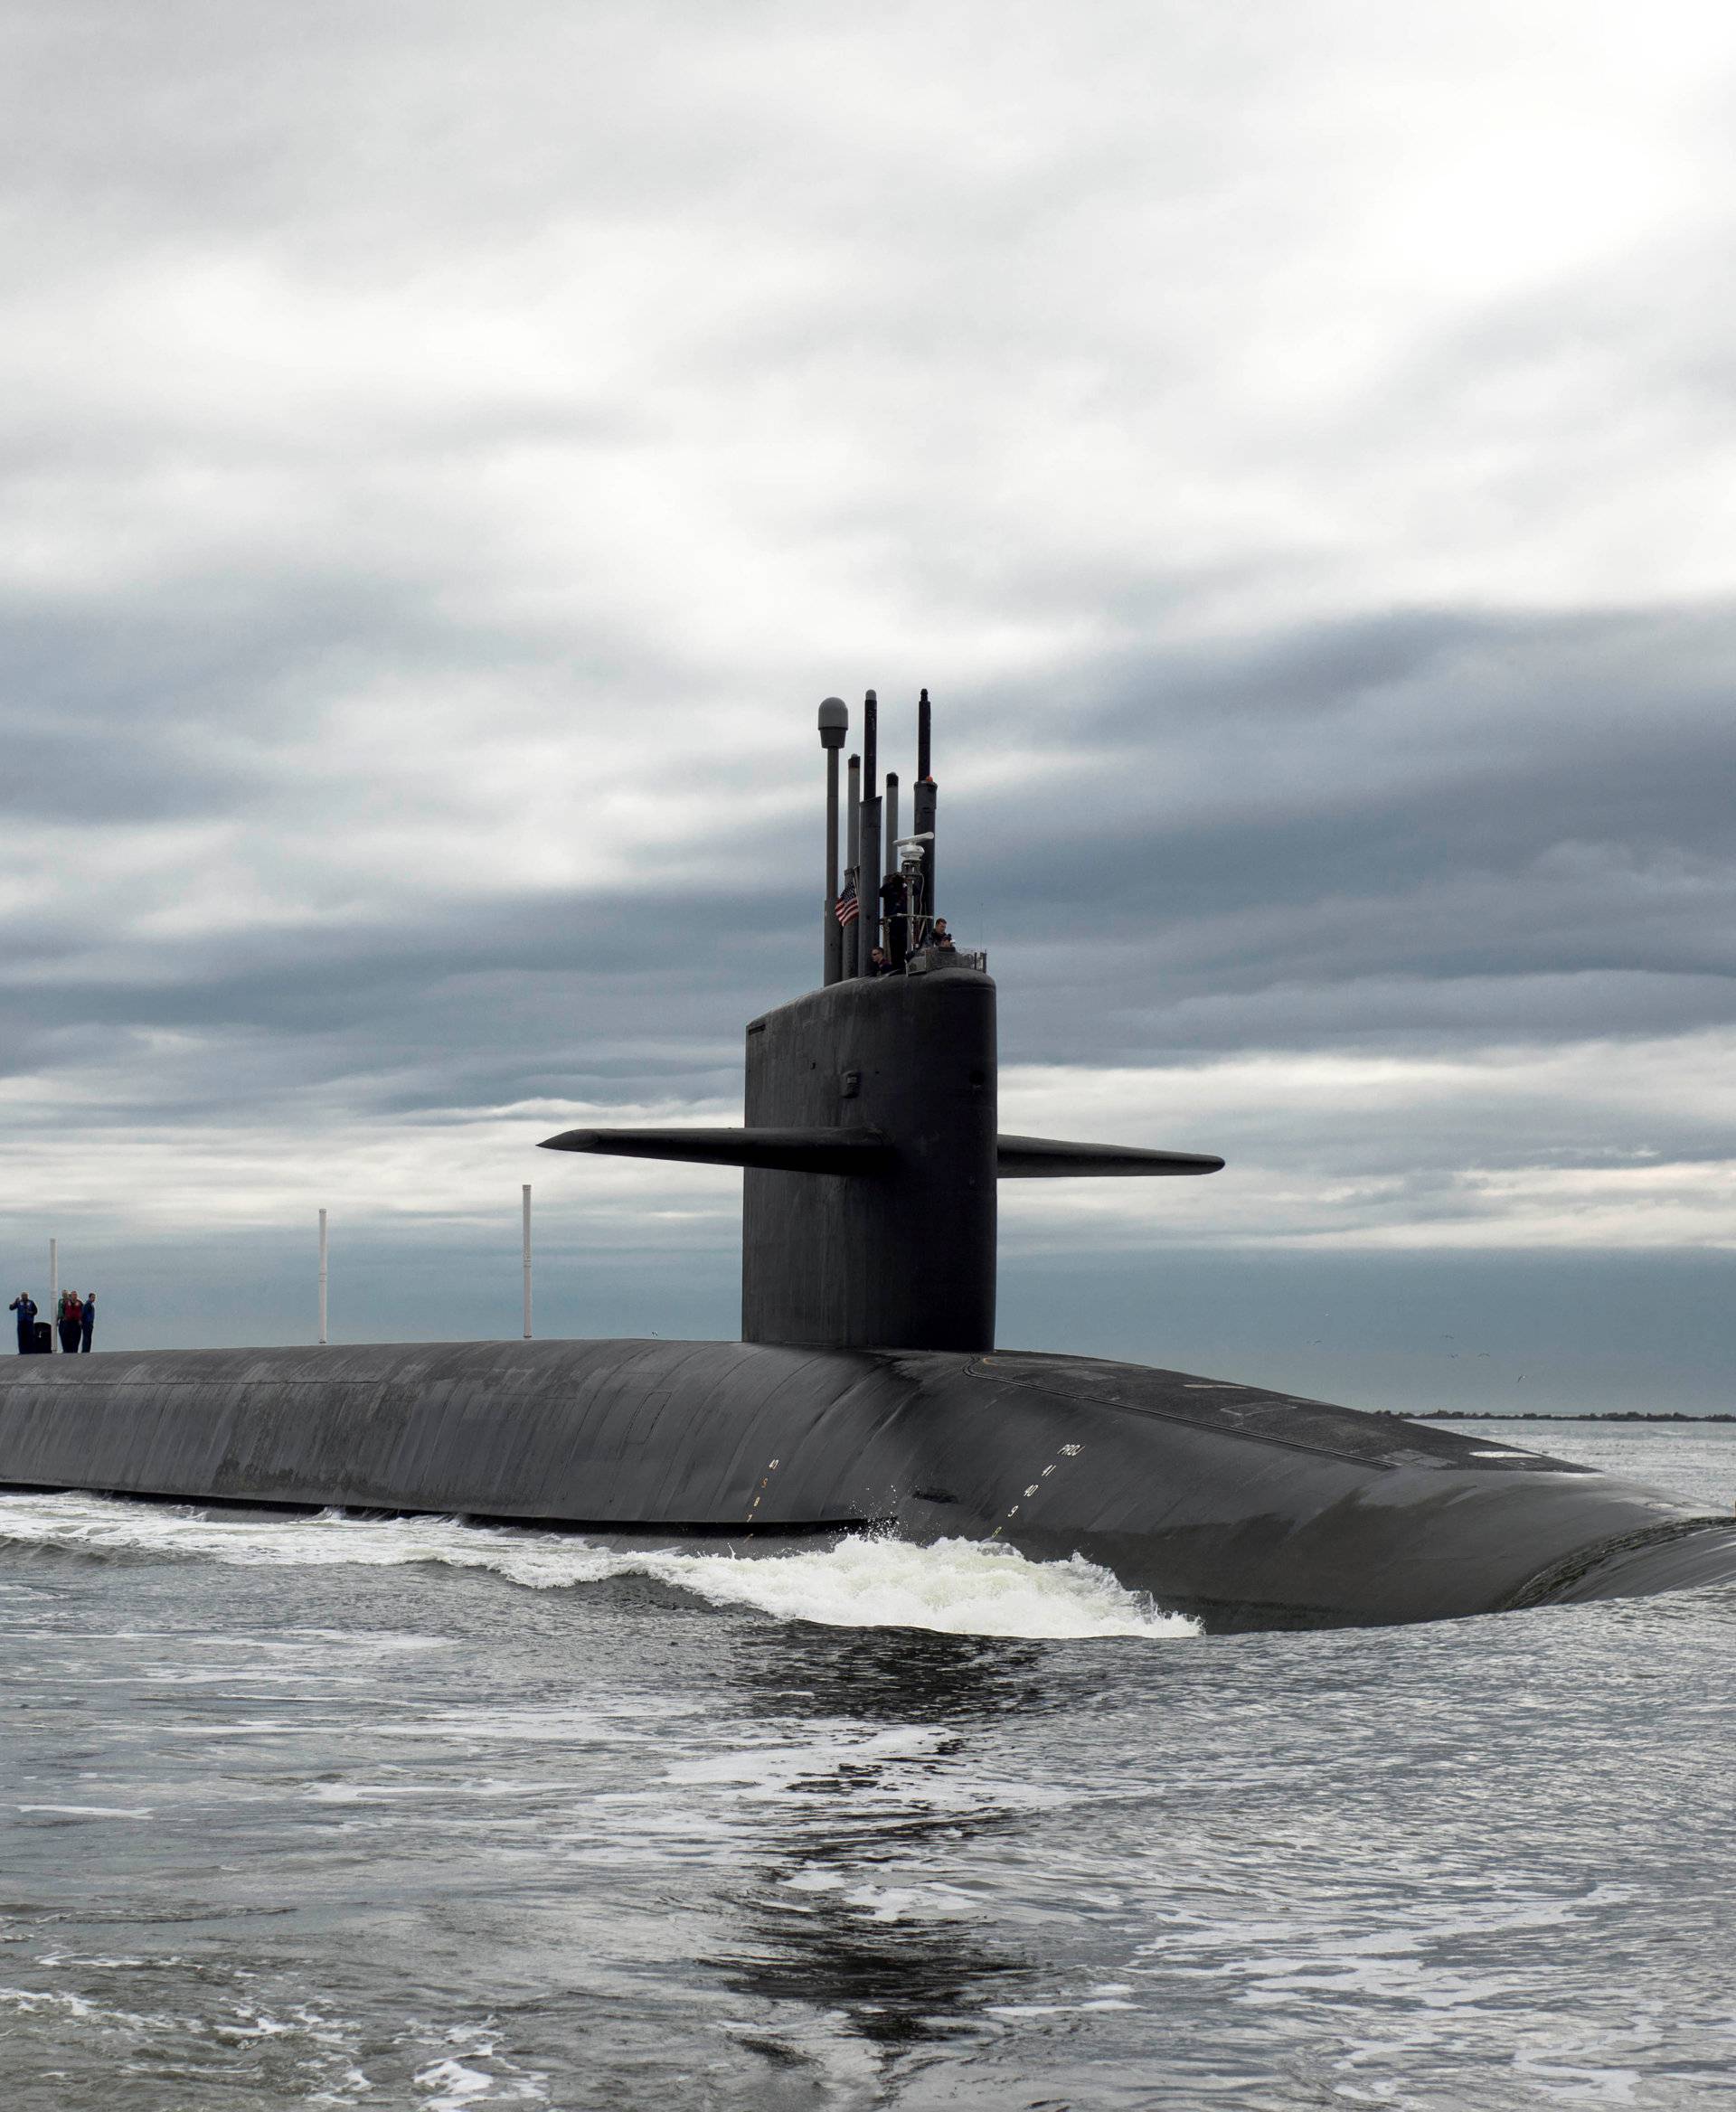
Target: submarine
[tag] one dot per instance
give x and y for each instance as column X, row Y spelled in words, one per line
column 867, row 1393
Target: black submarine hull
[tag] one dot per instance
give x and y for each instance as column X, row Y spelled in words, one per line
column 1246, row 1508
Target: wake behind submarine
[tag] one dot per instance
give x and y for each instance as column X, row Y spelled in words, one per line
column 867, row 1390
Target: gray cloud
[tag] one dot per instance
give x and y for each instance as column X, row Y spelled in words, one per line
column 1561, row 888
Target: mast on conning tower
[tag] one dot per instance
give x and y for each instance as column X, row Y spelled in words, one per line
column 924, row 799
column 888, row 888
column 889, row 879
column 835, row 724
column 868, row 867
column 852, row 879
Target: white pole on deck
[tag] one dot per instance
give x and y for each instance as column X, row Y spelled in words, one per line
column 53, row 1294
column 322, row 1275
column 527, row 1261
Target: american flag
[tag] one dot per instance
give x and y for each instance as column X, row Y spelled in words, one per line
column 848, row 908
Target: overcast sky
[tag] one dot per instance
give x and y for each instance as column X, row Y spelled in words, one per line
column 448, row 451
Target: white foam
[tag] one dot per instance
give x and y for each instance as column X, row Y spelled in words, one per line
column 954, row 1587
column 450, row 2083
column 453, row 2084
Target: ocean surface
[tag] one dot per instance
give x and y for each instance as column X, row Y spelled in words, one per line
column 333, row 1812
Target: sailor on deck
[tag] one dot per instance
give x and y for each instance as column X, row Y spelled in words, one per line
column 24, row 1305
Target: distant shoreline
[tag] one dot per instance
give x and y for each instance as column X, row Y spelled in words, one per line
column 1502, row 1415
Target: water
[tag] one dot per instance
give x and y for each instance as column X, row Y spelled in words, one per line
column 332, row 1813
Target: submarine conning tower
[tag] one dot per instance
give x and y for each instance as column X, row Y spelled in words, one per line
column 871, row 1146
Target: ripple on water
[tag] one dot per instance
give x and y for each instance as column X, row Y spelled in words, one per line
column 316, row 1812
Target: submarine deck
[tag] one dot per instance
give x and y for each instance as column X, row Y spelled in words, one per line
column 1250, row 1507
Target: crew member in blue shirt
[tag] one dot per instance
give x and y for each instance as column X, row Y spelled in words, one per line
column 24, row 1305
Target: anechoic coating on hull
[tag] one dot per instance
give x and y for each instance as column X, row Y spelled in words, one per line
column 1246, row 1507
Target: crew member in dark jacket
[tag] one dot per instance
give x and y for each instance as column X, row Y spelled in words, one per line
column 941, row 938
column 89, row 1321
column 24, row 1305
